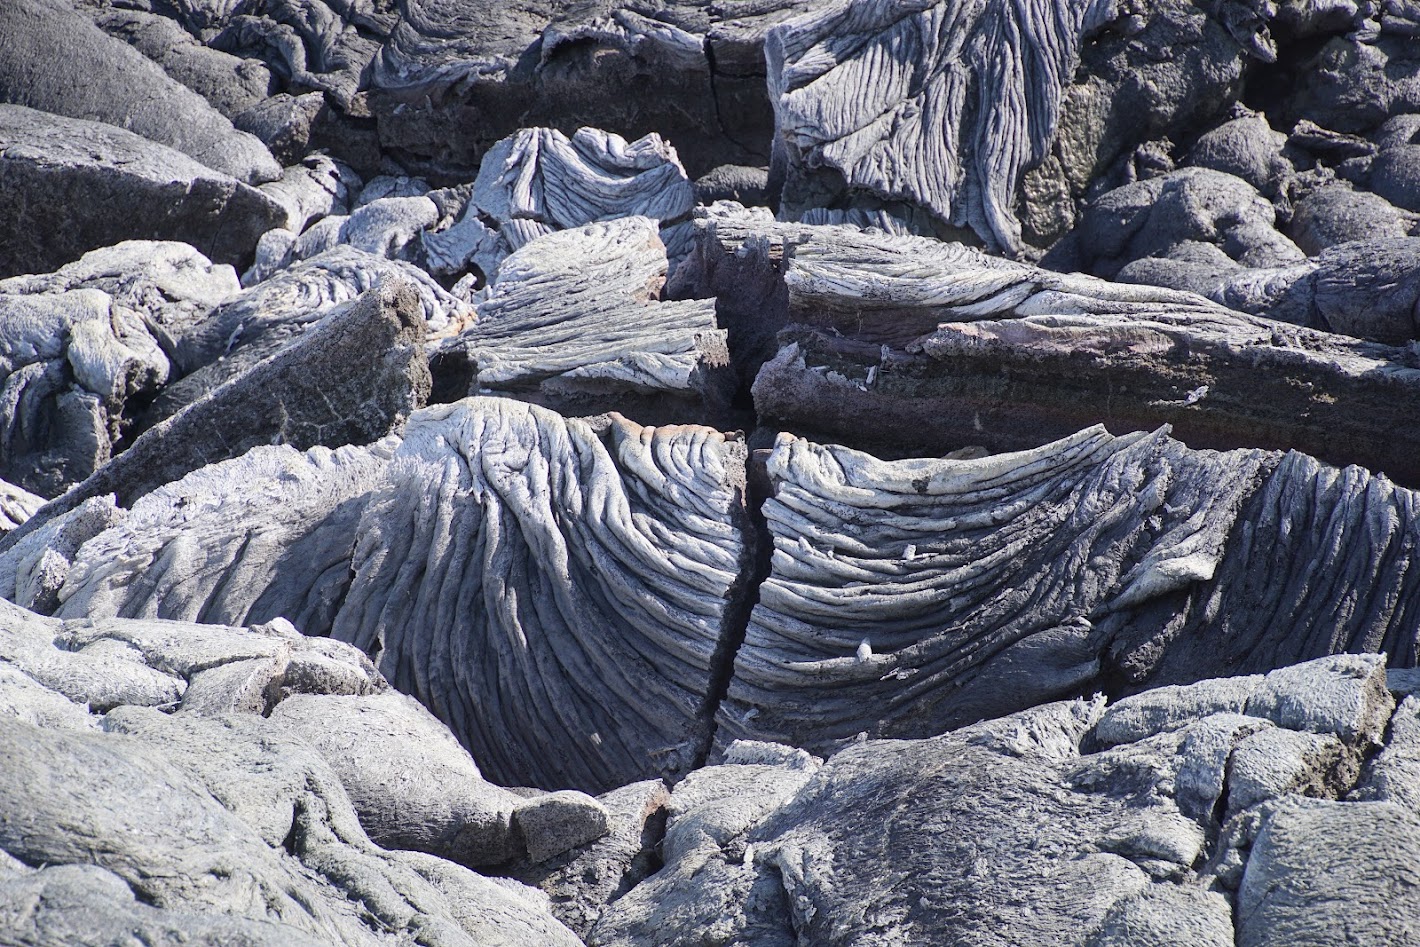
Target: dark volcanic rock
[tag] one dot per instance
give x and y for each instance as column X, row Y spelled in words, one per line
column 112, row 186
column 1055, row 826
column 911, row 596
column 600, row 570
column 1339, row 214
column 1174, row 216
column 56, row 60
column 456, row 76
column 897, row 108
column 223, row 827
column 72, row 360
column 905, row 345
column 277, row 313
column 229, row 83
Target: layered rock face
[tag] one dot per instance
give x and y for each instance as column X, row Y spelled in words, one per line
column 736, row 473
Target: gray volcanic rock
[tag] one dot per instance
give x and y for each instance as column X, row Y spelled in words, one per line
column 581, row 883
column 195, row 814
column 113, row 186
column 115, row 663
column 56, row 60
column 316, row 187
column 1358, row 884
column 709, row 891
column 1167, row 217
column 1248, row 148
column 87, row 906
column 285, row 123
column 273, row 315
column 392, row 228
column 412, row 784
column 230, row 84
column 456, row 76
column 911, row 596
column 276, row 530
column 1028, row 830
column 599, row 572
column 16, row 505
column 539, row 180
column 70, row 362
column 884, row 107
column 610, row 566
column 738, row 258
column 213, row 801
column 309, row 45
column 33, row 570
column 1339, row 214
column 573, row 322
column 170, row 285
column 910, row 346
column 305, row 395
column 1358, row 81
column 1369, row 289
column 891, row 102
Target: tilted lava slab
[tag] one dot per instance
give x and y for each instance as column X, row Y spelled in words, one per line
column 921, row 347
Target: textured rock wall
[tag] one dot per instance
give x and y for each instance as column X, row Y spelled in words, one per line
column 661, row 472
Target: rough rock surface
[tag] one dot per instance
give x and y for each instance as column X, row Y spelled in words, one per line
column 539, row 181
column 171, row 285
column 573, row 321
column 86, row 347
column 210, row 823
column 273, row 315
column 598, row 571
column 56, row 60
column 113, row 186
column 911, row 596
column 303, row 396
column 1049, row 328
column 456, row 77
column 610, row 565
column 16, row 505
column 1031, row 829
column 71, row 362
column 924, row 347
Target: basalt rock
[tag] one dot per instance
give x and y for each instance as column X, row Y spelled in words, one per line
column 273, row 315
column 56, row 60
column 610, row 566
column 1131, row 840
column 923, row 347
column 113, row 186
column 455, row 77
column 72, row 361
column 600, row 572
column 574, row 322
column 304, row 395
column 190, row 812
column 539, row 181
column 899, row 108
column 230, row 84
column 908, row 597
